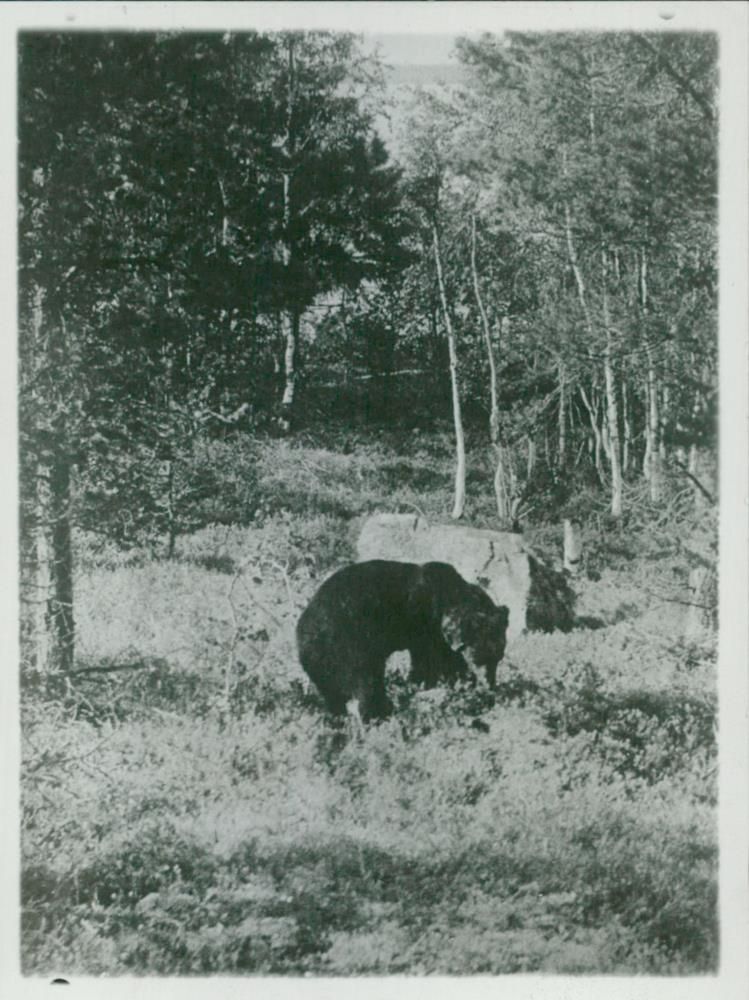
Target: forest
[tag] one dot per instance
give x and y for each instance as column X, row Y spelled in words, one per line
column 266, row 289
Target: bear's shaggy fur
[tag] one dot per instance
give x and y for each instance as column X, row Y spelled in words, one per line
column 366, row 611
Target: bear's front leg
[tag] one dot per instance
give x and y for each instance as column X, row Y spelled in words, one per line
column 435, row 663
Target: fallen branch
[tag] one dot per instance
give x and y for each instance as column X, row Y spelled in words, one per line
column 703, row 489
column 231, row 419
column 407, row 503
column 677, row 600
column 114, row 668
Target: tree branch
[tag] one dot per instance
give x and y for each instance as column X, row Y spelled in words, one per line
column 677, row 77
column 705, row 492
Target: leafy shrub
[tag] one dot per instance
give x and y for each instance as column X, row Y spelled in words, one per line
column 125, row 871
column 281, row 544
column 666, row 891
column 412, row 475
column 115, row 691
column 469, row 852
column 513, row 687
column 261, row 696
column 646, row 734
column 220, row 562
column 139, row 496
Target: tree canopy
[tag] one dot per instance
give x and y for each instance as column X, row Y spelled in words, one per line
column 211, row 231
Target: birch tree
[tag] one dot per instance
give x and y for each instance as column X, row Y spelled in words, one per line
column 428, row 181
column 460, row 447
column 602, row 153
column 503, row 477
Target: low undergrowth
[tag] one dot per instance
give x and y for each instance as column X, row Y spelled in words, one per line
column 571, row 831
column 188, row 808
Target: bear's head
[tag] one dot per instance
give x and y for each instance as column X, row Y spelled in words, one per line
column 477, row 629
column 468, row 619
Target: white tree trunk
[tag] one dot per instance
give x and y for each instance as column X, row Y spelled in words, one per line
column 493, row 391
column 646, row 453
column 573, row 547
column 224, row 213
column 612, row 413
column 290, row 327
column 289, row 316
column 613, row 425
column 653, row 447
column 562, row 416
column 503, row 485
column 652, row 462
column 601, row 439
column 662, row 423
column 597, row 433
column 627, row 449
column 460, row 448
column 531, row 458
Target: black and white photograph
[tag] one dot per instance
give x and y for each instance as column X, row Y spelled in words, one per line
column 378, row 478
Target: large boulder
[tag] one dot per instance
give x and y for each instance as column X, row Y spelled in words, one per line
column 538, row 597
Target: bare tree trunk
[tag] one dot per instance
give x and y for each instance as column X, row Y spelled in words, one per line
column 290, row 316
column 611, row 402
column 502, row 476
column 493, row 394
column 460, row 448
column 224, row 212
column 646, row 455
column 290, row 327
column 503, row 488
column 531, row 458
column 653, row 448
column 574, row 263
column 611, row 408
column 600, row 440
column 662, row 422
column 605, row 436
column 573, row 547
column 48, row 587
column 652, row 460
column 597, row 434
column 562, row 457
column 615, row 446
column 171, row 518
column 627, row 450
column 60, row 605
column 48, row 626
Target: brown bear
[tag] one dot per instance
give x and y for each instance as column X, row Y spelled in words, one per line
column 366, row 611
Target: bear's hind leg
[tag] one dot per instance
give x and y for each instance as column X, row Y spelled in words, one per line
column 327, row 683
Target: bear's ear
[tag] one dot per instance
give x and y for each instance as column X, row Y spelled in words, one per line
column 437, row 587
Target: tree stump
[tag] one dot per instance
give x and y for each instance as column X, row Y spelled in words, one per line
column 573, row 547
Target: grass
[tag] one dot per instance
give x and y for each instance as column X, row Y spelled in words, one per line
column 189, row 809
